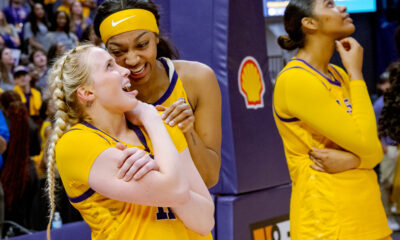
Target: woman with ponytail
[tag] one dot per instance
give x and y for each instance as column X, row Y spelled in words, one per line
column 18, row 176
column 98, row 151
column 187, row 92
column 389, row 123
column 327, row 124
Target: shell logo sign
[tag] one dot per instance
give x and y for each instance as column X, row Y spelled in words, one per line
column 251, row 83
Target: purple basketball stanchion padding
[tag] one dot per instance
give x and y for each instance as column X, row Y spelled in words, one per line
column 238, row 216
column 221, row 34
column 75, row 231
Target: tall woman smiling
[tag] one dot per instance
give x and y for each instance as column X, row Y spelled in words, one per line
column 187, row 92
column 325, row 118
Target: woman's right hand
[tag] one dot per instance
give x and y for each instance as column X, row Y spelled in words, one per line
column 134, row 163
column 351, row 53
column 333, row 160
column 142, row 113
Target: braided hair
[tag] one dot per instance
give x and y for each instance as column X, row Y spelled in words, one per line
column 68, row 73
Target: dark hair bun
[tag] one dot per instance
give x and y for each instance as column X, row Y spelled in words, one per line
column 287, row 43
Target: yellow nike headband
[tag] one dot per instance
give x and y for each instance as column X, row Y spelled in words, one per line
column 127, row 20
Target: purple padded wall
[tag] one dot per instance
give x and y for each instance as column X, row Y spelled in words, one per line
column 241, row 217
column 221, row 34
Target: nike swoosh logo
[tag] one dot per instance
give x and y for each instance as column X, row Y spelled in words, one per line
column 120, row 21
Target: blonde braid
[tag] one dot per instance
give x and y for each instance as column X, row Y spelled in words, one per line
column 59, row 126
column 67, row 75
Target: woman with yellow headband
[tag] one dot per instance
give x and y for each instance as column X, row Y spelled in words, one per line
column 187, row 92
column 97, row 152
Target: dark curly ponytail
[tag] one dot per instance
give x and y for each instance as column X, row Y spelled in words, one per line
column 389, row 121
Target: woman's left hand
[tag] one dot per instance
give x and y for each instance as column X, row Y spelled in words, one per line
column 179, row 113
column 135, row 163
column 332, row 160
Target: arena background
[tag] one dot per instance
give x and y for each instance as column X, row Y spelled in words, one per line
column 237, row 40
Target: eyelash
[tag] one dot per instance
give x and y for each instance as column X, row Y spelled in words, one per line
column 142, row 45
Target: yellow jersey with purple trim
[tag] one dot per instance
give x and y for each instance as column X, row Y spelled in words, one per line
column 33, row 100
column 175, row 90
column 108, row 219
column 313, row 110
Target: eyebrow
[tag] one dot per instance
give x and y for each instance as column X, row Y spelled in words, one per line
column 135, row 40
column 140, row 35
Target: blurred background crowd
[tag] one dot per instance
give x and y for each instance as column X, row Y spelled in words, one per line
column 33, row 33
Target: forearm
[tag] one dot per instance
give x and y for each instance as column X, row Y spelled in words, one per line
column 362, row 107
column 206, row 160
column 197, row 214
column 165, row 153
column 364, row 115
column 355, row 132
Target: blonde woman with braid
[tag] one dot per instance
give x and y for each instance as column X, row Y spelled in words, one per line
column 93, row 104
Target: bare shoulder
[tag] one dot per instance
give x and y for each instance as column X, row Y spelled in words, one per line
column 199, row 81
column 192, row 72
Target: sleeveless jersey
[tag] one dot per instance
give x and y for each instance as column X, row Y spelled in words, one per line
column 312, row 110
column 175, row 89
column 76, row 151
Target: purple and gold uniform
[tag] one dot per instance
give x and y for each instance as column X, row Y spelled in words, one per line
column 111, row 219
column 33, row 100
column 312, row 110
column 175, row 89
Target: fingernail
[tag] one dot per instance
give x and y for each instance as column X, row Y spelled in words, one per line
column 180, row 125
column 163, row 116
column 166, row 121
column 172, row 123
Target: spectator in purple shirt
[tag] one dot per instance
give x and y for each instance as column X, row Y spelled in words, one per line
column 16, row 14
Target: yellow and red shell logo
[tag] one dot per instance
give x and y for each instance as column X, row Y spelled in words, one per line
column 251, row 83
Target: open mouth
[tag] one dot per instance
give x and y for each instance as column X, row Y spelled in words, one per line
column 138, row 72
column 126, row 87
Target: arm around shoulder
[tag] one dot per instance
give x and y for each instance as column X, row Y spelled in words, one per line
column 204, row 139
